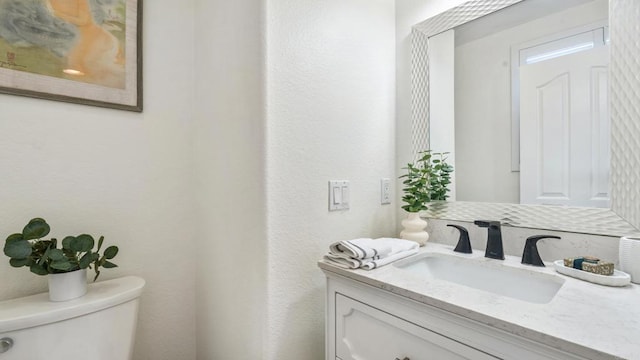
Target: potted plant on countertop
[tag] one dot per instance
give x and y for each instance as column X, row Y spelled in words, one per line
column 66, row 267
column 426, row 180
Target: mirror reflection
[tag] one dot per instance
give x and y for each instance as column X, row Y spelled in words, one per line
column 531, row 106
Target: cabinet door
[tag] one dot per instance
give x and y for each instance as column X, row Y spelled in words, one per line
column 366, row 333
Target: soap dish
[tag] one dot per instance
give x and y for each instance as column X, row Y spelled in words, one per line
column 618, row 278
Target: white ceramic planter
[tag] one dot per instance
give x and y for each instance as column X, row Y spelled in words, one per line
column 67, row 286
column 414, row 227
column 629, row 252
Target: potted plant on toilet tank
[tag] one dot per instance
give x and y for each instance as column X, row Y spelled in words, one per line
column 66, row 266
column 426, row 180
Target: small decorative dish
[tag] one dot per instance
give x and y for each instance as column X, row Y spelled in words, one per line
column 618, row 278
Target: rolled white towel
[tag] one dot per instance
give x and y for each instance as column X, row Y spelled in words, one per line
column 369, row 253
column 362, row 248
column 399, row 245
column 389, row 259
column 347, row 263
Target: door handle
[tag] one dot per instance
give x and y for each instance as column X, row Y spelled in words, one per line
column 406, row 358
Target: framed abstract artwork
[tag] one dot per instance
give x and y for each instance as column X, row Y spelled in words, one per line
column 80, row 51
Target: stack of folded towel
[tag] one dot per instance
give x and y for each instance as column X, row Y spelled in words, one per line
column 368, row 253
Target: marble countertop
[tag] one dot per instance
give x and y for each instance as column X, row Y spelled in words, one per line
column 589, row 320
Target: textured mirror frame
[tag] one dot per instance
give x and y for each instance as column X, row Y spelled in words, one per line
column 624, row 217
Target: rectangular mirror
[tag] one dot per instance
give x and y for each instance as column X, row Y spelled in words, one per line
column 564, row 159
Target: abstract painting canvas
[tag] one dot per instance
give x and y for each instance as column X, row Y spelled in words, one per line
column 82, row 51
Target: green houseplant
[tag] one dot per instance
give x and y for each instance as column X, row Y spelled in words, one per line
column 426, row 180
column 43, row 257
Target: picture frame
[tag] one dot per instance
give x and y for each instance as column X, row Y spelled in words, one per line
column 78, row 51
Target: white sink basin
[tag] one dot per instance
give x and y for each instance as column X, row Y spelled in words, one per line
column 487, row 275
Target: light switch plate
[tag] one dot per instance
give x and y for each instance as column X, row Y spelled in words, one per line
column 339, row 195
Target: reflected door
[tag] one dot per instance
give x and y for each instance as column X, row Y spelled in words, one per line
column 564, row 130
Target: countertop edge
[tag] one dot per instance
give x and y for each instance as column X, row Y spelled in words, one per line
column 485, row 319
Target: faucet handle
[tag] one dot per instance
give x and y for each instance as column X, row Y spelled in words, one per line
column 464, row 245
column 530, row 255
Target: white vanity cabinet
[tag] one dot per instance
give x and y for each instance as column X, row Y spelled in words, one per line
column 364, row 332
column 367, row 323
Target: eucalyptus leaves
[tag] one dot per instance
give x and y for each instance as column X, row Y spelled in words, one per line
column 43, row 256
column 426, row 180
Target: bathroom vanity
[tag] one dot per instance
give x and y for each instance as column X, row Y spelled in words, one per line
column 417, row 309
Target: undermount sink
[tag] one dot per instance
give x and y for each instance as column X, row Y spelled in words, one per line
column 486, row 275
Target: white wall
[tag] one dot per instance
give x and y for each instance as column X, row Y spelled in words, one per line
column 285, row 103
column 123, row 175
column 230, row 180
column 483, row 103
column 227, row 167
column 330, row 111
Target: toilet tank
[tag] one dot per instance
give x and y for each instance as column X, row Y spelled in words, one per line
column 99, row 326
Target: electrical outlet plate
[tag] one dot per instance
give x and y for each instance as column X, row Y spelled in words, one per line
column 385, row 191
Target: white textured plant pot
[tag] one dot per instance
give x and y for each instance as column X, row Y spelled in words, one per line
column 67, row 286
column 629, row 253
column 414, row 227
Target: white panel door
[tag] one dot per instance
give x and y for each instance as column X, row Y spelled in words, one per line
column 366, row 333
column 564, row 130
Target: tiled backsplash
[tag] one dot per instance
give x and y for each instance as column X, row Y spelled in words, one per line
column 513, row 239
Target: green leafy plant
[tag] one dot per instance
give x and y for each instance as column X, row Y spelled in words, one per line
column 441, row 177
column 426, row 180
column 44, row 257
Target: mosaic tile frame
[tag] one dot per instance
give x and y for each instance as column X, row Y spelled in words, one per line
column 624, row 216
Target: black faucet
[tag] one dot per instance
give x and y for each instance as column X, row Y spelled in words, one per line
column 530, row 255
column 494, row 239
column 464, row 245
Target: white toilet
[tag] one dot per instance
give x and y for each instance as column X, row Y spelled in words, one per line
column 99, row 326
